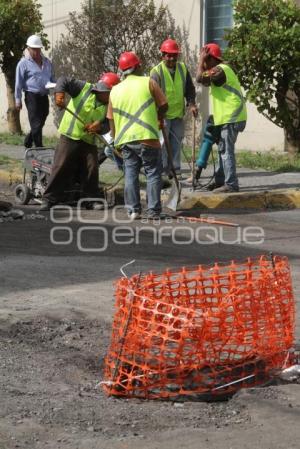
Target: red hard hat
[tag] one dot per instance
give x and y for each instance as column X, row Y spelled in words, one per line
column 214, row 50
column 170, row 46
column 110, row 79
column 128, row 60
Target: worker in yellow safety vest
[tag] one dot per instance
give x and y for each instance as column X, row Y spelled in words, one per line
column 136, row 106
column 228, row 119
column 176, row 82
column 76, row 154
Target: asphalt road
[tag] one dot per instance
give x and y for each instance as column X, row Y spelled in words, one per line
column 65, row 271
column 31, row 260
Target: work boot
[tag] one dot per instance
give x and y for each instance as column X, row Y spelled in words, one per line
column 97, row 206
column 213, row 186
column 92, row 205
column 135, row 215
column 153, row 215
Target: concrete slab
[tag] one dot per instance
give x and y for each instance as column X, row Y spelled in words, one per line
column 259, row 189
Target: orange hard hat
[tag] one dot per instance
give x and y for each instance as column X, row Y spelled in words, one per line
column 128, row 60
column 214, row 50
column 110, row 79
column 170, row 46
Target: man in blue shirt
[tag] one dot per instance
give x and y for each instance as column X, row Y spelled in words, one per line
column 33, row 71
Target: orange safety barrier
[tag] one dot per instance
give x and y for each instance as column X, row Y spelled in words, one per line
column 201, row 331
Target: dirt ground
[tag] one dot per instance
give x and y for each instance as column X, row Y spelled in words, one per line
column 56, row 308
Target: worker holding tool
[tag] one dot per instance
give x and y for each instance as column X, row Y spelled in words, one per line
column 33, row 71
column 135, row 106
column 228, row 119
column 175, row 80
column 76, row 153
column 109, row 151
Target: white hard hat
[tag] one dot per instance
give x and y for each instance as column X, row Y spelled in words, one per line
column 34, row 42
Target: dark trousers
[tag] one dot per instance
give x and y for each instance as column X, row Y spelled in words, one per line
column 38, row 110
column 74, row 160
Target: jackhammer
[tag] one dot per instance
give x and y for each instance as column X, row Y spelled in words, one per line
column 211, row 136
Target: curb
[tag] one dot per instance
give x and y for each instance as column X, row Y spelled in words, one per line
column 260, row 200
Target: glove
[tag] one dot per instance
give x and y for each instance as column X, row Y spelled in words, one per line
column 60, row 99
column 93, row 128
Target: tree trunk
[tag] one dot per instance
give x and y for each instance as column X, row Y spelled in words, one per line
column 13, row 116
column 292, row 141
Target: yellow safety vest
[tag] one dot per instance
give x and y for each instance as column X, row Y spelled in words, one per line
column 134, row 111
column 228, row 102
column 86, row 106
column 174, row 89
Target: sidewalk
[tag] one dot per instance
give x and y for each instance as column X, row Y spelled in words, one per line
column 13, row 151
column 259, row 189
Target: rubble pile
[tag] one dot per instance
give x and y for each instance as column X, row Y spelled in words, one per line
column 8, row 213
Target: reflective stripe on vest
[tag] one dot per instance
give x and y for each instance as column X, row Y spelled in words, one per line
column 237, row 112
column 78, row 109
column 228, row 102
column 134, row 121
column 173, row 88
column 85, row 105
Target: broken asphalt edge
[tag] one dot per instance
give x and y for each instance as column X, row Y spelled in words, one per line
column 260, row 200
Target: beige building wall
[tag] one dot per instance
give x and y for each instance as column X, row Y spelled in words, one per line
column 260, row 134
column 186, row 12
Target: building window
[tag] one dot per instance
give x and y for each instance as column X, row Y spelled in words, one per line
column 218, row 17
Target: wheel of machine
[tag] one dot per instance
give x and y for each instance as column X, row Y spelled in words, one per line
column 22, row 194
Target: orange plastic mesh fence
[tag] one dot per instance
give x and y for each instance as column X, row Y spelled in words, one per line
column 201, row 330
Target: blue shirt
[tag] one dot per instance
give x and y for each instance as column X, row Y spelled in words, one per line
column 31, row 77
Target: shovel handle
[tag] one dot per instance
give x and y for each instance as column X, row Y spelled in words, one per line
column 193, row 152
column 102, row 140
column 82, row 122
column 170, row 157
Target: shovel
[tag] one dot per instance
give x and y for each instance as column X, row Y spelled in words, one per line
column 82, row 122
column 97, row 135
column 194, row 154
column 174, row 197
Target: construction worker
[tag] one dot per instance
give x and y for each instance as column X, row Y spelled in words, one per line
column 33, row 72
column 135, row 106
column 229, row 115
column 76, row 151
column 176, row 82
column 108, row 151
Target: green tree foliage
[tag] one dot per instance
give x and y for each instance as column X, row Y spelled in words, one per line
column 18, row 20
column 264, row 48
column 103, row 29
